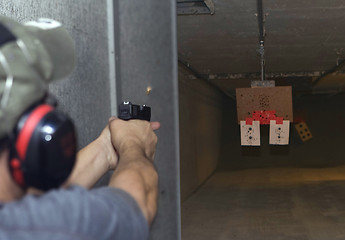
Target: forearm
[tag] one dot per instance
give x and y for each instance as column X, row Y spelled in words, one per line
column 137, row 176
column 91, row 165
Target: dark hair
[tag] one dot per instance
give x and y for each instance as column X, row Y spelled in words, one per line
column 3, row 144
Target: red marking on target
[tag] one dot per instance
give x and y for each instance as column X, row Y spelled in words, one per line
column 264, row 117
column 249, row 121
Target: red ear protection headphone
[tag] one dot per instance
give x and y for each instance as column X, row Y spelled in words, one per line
column 43, row 151
column 43, row 144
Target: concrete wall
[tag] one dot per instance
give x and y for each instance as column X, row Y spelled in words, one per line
column 201, row 109
column 147, row 53
column 325, row 116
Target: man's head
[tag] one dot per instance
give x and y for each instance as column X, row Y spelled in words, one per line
column 31, row 56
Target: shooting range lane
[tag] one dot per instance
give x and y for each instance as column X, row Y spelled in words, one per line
column 263, row 192
column 273, row 192
column 271, row 203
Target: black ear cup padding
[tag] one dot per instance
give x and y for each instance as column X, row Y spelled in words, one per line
column 51, row 153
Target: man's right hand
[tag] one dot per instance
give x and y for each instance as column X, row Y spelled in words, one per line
column 135, row 142
column 134, row 134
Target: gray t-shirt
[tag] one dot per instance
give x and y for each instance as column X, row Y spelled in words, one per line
column 74, row 213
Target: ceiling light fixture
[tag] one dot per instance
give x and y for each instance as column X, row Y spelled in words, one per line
column 195, row 7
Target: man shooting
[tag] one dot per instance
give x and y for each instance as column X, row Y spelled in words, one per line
column 37, row 151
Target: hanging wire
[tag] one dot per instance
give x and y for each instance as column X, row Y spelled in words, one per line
column 261, row 37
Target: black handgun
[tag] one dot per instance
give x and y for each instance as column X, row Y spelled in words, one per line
column 128, row 111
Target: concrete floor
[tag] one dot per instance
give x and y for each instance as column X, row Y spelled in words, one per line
column 265, row 204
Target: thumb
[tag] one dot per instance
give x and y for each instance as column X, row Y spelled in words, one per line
column 112, row 118
column 155, row 125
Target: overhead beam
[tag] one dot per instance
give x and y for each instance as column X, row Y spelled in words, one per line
column 252, row 76
column 335, row 69
column 204, row 77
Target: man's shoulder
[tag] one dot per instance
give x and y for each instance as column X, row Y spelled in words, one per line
column 76, row 210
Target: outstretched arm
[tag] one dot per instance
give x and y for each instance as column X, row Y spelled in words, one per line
column 93, row 161
column 135, row 143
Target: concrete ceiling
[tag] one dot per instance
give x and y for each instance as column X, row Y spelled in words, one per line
column 303, row 38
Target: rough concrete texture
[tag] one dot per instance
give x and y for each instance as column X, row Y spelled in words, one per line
column 148, row 58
